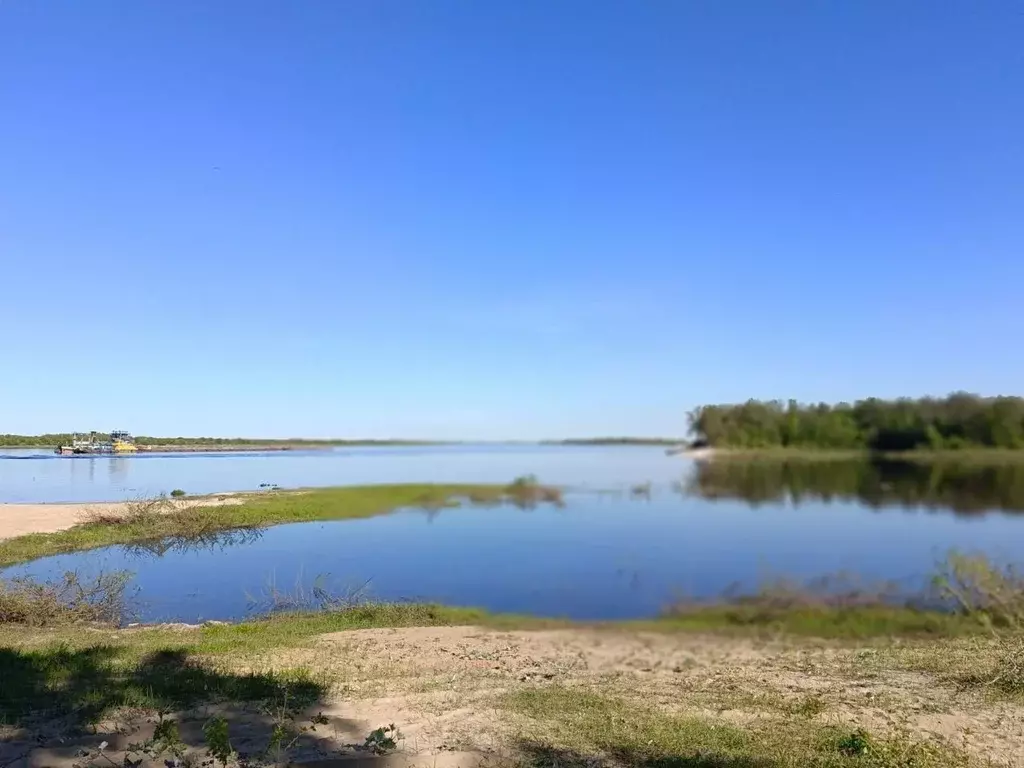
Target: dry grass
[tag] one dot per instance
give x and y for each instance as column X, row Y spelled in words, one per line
column 992, row 665
column 67, row 601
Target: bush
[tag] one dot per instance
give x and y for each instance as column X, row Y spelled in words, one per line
column 177, row 493
column 68, row 601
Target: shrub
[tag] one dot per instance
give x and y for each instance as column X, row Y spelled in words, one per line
column 69, row 600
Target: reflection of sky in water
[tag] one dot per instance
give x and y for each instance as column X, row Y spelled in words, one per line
column 601, row 557
column 38, row 476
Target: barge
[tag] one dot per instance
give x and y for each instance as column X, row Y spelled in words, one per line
column 94, row 443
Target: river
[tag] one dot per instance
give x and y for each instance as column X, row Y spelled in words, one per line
column 613, row 551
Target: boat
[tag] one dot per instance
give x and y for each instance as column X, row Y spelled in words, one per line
column 122, row 442
column 94, row 443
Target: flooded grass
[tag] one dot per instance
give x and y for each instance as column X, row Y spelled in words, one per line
column 154, row 519
column 968, row 594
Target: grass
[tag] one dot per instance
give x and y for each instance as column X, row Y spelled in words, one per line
column 89, row 683
column 992, row 665
column 71, row 600
column 828, row 622
column 969, row 595
column 155, row 519
column 159, row 668
column 85, row 675
column 578, row 727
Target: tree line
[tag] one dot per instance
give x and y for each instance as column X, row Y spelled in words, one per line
column 961, row 420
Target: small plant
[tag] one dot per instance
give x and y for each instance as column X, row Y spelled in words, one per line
column 810, row 706
column 177, row 493
column 383, row 740
column 526, row 491
column 218, row 743
column 167, row 738
column 286, row 732
column 854, row 744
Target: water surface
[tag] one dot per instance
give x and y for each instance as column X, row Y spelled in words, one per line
column 700, row 531
column 39, row 476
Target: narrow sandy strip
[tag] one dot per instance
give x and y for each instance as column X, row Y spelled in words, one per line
column 21, row 519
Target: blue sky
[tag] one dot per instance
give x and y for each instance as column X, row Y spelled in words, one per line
column 512, row 219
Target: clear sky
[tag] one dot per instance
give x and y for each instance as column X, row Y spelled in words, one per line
column 502, row 219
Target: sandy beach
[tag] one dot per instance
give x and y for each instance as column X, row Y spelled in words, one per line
column 21, row 519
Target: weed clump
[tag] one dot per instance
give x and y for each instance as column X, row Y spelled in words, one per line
column 1000, row 670
column 383, row 740
column 975, row 586
column 527, row 491
column 69, row 600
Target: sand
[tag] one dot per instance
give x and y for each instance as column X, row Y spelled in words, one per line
column 442, row 687
column 22, row 519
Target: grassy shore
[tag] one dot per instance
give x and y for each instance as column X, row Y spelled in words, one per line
column 511, row 691
column 780, row 679
column 783, row 678
column 163, row 518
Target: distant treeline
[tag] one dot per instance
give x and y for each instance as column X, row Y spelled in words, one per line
column 55, row 439
column 617, row 441
column 958, row 421
column 966, row 488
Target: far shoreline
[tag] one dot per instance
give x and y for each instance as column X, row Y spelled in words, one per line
column 971, row 455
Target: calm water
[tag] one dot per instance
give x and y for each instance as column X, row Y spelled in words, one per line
column 702, row 529
column 39, row 476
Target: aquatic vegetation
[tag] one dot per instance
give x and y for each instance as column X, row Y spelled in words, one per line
column 968, row 594
column 145, row 520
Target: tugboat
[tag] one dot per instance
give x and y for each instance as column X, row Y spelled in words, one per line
column 122, row 442
column 91, row 445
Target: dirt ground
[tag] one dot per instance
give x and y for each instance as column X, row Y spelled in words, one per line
column 442, row 688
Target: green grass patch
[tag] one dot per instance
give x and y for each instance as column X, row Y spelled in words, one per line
column 577, row 727
column 277, row 631
column 157, row 519
column 297, row 628
column 828, row 622
column 88, row 683
column 97, row 670
column 969, row 595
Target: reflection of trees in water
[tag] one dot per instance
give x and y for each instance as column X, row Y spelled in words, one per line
column 210, row 540
column 963, row 488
